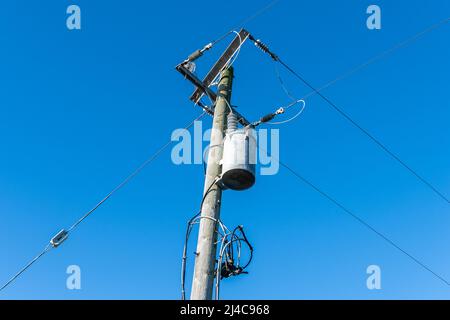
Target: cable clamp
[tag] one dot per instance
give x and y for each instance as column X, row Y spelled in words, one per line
column 280, row 111
column 207, row 47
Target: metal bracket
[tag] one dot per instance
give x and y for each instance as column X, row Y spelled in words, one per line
column 203, row 87
column 234, row 46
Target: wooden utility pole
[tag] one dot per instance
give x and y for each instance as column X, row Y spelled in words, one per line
column 205, row 261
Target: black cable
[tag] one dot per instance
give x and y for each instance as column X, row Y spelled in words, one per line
column 232, row 267
column 369, row 135
column 245, row 239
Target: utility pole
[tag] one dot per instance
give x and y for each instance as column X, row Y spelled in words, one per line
column 205, row 261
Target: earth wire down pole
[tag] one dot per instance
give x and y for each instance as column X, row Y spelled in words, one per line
column 205, row 261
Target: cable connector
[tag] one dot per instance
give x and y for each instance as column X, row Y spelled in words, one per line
column 241, row 229
column 208, row 46
column 268, row 117
column 280, row 111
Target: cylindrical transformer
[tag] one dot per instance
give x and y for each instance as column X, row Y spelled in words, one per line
column 239, row 159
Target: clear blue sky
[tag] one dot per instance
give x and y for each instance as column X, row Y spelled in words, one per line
column 81, row 109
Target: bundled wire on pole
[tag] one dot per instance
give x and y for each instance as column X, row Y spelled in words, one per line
column 227, row 239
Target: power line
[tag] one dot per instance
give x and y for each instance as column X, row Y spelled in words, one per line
column 379, row 56
column 276, row 58
column 353, row 122
column 367, row 133
column 243, row 22
column 264, row 9
column 361, row 221
column 79, row 221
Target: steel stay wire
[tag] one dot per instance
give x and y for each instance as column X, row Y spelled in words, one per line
column 117, row 188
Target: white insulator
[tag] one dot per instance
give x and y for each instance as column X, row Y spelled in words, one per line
column 232, row 122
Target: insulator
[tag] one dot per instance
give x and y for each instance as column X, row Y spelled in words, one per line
column 232, row 122
column 262, row 46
